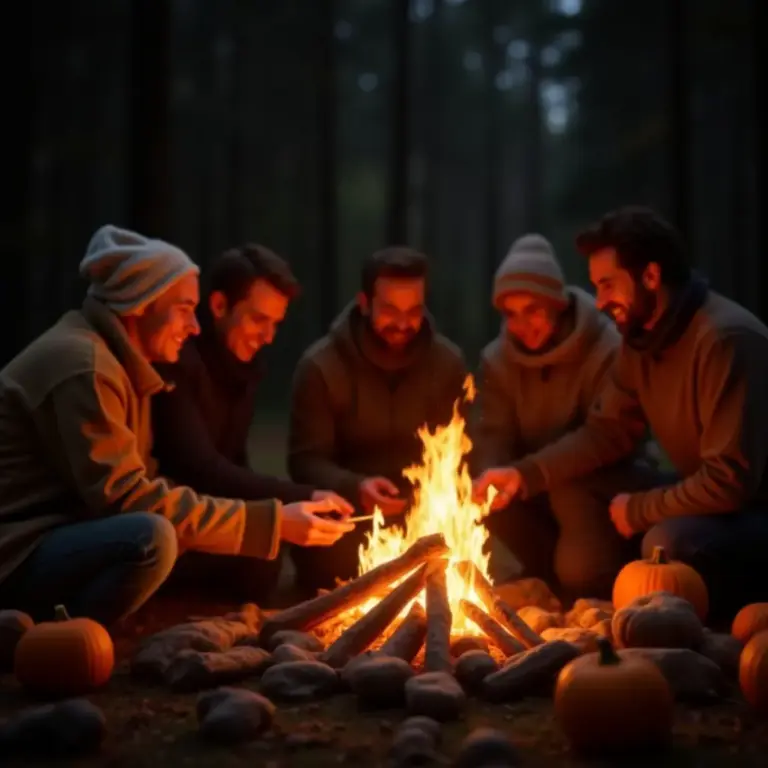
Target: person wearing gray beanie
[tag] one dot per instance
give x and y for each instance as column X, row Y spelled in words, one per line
column 537, row 380
column 85, row 520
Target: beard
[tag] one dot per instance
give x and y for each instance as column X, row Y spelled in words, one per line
column 631, row 319
column 392, row 337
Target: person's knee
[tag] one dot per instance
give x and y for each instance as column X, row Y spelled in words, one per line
column 154, row 538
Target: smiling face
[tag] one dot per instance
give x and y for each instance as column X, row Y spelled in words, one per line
column 163, row 327
column 396, row 309
column 252, row 322
column 530, row 320
column 632, row 303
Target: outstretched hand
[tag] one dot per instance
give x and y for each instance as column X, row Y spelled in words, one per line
column 382, row 493
column 302, row 523
column 506, row 481
column 335, row 502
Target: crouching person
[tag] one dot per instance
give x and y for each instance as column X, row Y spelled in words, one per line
column 537, row 381
column 84, row 520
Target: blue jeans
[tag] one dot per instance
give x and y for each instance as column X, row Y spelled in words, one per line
column 728, row 550
column 103, row 569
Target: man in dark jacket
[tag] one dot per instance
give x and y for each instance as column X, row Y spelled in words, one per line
column 359, row 396
column 201, row 426
column 693, row 366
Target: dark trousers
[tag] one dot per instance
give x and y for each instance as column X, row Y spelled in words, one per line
column 103, row 569
column 225, row 577
column 566, row 537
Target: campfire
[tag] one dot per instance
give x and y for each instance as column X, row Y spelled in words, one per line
column 423, row 585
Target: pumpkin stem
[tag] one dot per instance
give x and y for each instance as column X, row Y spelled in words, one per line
column 606, row 654
column 659, row 557
column 60, row 612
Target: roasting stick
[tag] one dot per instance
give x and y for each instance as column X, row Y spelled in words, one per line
column 497, row 608
column 311, row 613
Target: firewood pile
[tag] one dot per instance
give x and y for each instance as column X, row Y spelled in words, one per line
column 385, row 661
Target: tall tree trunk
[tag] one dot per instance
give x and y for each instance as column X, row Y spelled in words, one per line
column 19, row 148
column 679, row 133
column 532, row 162
column 432, row 134
column 397, row 219
column 760, row 59
column 327, row 171
column 493, row 161
column 149, row 136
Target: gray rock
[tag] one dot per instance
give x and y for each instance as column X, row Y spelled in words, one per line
column 473, row 667
column 436, row 695
column 233, row 715
column 379, row 682
column 297, row 681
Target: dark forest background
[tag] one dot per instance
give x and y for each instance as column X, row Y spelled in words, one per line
column 329, row 129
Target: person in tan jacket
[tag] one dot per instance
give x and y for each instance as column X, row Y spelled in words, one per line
column 693, row 366
column 84, row 520
column 537, row 381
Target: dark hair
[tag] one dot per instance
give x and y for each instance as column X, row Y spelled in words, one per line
column 234, row 272
column 396, row 261
column 639, row 236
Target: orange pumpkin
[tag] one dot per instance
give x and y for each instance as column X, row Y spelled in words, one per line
column 641, row 577
column 605, row 703
column 750, row 620
column 64, row 657
column 753, row 671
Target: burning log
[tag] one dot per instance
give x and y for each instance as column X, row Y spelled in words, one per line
column 406, row 641
column 311, row 613
column 497, row 608
column 363, row 632
column 505, row 642
column 437, row 654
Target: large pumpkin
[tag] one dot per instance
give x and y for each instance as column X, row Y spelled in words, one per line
column 65, row 657
column 753, row 671
column 750, row 620
column 658, row 574
column 605, row 703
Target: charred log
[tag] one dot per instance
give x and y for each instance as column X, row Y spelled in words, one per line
column 363, row 632
column 311, row 613
column 496, row 607
column 503, row 640
column 406, row 641
column 437, row 653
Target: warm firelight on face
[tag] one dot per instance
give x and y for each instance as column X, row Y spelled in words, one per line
column 442, row 504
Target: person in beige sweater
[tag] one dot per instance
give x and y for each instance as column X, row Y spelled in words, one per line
column 84, row 519
column 537, row 380
column 693, row 366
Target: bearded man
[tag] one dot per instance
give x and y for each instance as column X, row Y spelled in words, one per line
column 693, row 366
column 361, row 393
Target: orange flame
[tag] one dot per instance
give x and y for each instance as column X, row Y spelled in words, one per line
column 442, row 504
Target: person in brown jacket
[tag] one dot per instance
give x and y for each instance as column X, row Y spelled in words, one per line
column 359, row 396
column 537, row 381
column 84, row 519
column 693, row 366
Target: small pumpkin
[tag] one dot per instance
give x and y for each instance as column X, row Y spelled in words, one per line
column 658, row 620
column 750, row 620
column 64, row 657
column 659, row 574
column 605, row 703
column 753, row 671
column 13, row 625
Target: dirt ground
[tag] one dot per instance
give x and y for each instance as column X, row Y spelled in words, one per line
column 152, row 727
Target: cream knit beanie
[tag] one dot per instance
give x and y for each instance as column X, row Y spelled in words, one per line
column 128, row 271
column 530, row 266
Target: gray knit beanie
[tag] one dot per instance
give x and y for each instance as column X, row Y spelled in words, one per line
column 128, row 271
column 530, row 266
